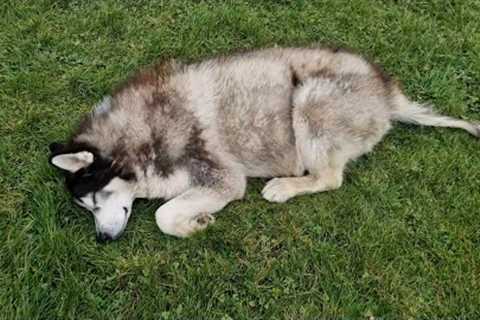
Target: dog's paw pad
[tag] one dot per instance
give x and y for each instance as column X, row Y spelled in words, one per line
column 278, row 190
column 204, row 219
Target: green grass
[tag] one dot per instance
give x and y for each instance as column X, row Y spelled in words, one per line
column 399, row 240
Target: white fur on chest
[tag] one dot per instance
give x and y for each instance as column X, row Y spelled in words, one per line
column 150, row 185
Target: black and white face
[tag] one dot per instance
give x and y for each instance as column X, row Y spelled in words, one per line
column 99, row 188
column 110, row 206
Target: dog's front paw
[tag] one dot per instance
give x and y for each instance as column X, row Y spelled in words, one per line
column 278, row 190
column 204, row 219
column 183, row 225
column 189, row 226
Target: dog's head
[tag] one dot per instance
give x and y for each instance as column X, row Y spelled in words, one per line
column 97, row 185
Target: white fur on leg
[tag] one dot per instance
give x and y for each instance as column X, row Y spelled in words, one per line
column 182, row 225
column 276, row 190
column 189, row 212
column 282, row 189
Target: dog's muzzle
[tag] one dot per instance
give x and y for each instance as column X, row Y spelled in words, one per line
column 103, row 237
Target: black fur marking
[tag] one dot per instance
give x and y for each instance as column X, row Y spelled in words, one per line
column 159, row 100
column 56, row 147
column 91, row 179
column 199, row 162
column 295, row 79
column 162, row 162
column 94, row 177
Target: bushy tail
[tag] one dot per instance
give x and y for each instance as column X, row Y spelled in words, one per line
column 412, row 112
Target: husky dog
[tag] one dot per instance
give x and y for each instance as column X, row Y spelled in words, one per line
column 192, row 134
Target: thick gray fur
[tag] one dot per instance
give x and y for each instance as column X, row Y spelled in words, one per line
column 194, row 133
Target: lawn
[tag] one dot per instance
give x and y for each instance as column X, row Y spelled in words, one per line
column 399, row 240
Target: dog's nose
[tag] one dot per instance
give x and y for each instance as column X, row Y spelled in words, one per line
column 103, row 237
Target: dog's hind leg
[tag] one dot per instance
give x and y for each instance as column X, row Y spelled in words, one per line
column 325, row 167
column 282, row 189
column 332, row 126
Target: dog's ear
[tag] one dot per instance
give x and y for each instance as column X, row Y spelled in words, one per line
column 72, row 162
column 56, row 147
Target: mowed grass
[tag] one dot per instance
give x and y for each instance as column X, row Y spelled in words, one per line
column 399, row 240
